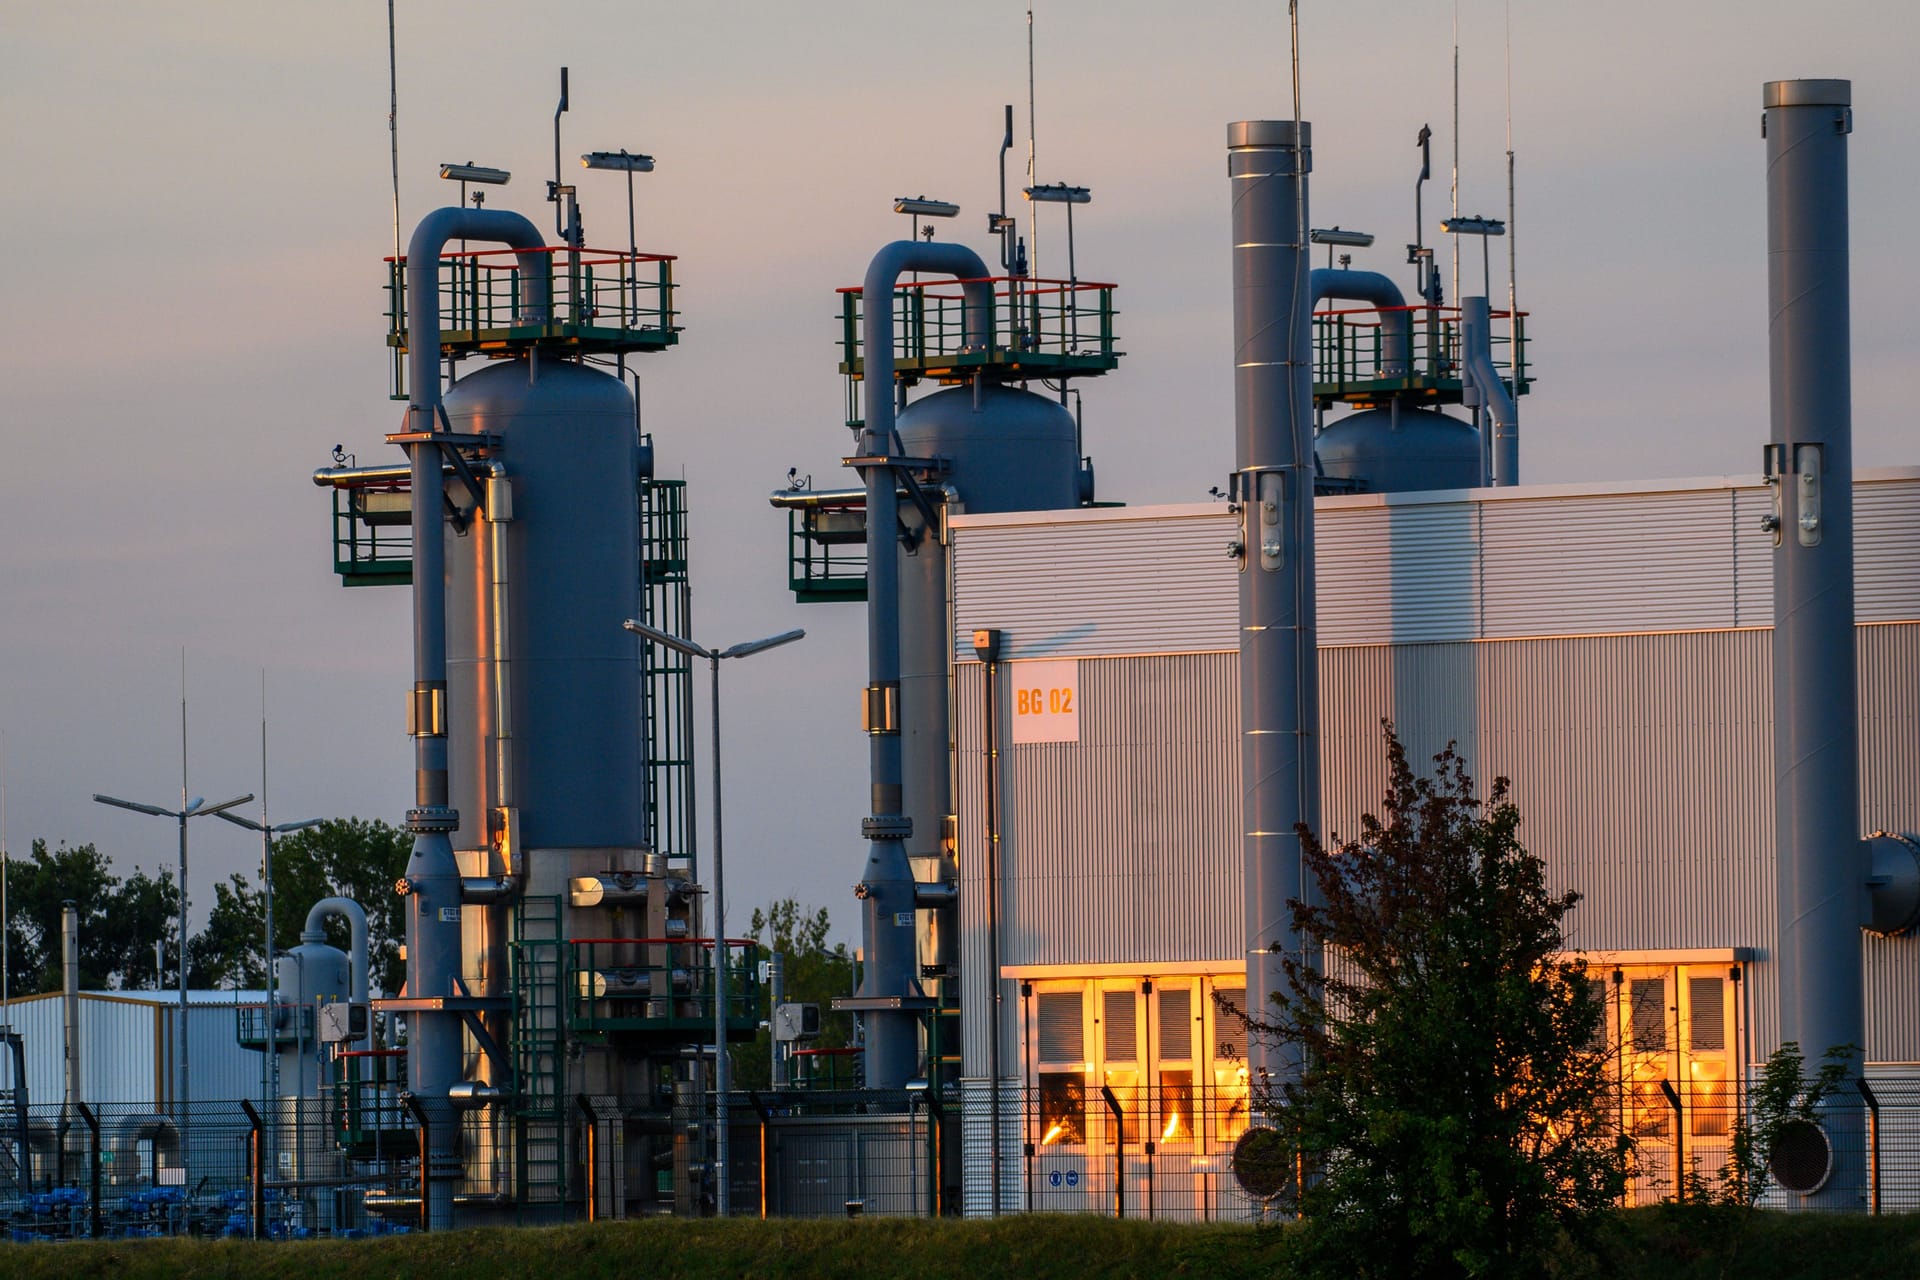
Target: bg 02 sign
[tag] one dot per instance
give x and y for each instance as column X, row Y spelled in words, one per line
column 1045, row 698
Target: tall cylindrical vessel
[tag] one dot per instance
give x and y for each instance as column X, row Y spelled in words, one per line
column 571, row 459
column 1267, row 162
column 1822, row 860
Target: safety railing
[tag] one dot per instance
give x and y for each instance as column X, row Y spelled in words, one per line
column 827, row 552
column 373, row 535
column 1050, row 328
column 1350, row 355
column 660, row 985
column 603, row 301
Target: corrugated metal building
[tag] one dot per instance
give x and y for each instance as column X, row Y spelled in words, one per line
column 1606, row 646
column 127, row 1047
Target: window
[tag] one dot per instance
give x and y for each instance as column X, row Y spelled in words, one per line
column 1120, row 1053
column 1176, row 1064
column 1063, row 1107
column 1061, row 1051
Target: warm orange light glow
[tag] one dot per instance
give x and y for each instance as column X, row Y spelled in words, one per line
column 1053, row 1134
column 1173, row 1128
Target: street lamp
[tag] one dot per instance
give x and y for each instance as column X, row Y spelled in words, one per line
column 721, row 1080
column 1068, row 195
column 267, row 833
column 195, row 808
column 471, row 172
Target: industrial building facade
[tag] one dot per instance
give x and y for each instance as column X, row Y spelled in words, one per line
column 1606, row 647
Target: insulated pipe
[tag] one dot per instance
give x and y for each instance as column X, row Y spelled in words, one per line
column 1489, row 391
column 887, row 885
column 1822, row 864
column 432, row 881
column 1396, row 322
column 1267, row 161
column 356, row 919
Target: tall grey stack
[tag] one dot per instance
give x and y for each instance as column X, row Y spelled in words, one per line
column 1822, row 864
column 1268, row 161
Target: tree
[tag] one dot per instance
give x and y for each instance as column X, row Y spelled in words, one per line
column 1452, row 1110
column 816, row 972
column 120, row 921
column 342, row 857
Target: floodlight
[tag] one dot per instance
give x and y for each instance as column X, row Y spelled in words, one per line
column 921, row 206
column 759, row 646
column 623, row 161
column 1340, row 236
column 1473, row 226
column 475, row 173
column 1059, row 193
column 674, row 642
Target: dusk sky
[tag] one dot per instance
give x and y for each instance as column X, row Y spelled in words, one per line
column 197, row 204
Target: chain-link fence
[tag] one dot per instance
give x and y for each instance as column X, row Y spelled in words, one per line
column 317, row 1167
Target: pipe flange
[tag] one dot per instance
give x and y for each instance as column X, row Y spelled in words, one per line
column 432, row 819
column 892, row 826
column 1893, row 884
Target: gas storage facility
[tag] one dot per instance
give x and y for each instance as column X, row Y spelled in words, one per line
column 1092, row 732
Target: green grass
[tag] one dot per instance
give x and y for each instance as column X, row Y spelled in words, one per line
column 1667, row 1244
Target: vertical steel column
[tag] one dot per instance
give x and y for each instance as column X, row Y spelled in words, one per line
column 1268, row 161
column 1821, row 859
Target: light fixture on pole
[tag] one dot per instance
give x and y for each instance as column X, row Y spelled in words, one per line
column 629, row 163
column 918, row 207
column 1336, row 235
column 195, row 808
column 267, row 833
column 1068, row 195
column 1485, row 228
column 721, row 1075
column 476, row 173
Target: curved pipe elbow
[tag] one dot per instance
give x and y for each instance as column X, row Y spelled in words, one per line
column 933, row 894
column 356, row 919
column 423, row 286
column 486, row 890
column 1396, row 323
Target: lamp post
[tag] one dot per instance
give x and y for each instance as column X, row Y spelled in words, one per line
column 195, row 808
column 267, row 833
column 721, row 1076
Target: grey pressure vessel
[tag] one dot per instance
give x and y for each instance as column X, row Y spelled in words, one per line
column 1822, row 861
column 1401, row 450
column 572, row 458
column 1007, row 450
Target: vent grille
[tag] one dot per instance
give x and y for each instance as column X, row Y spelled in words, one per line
column 1117, row 1018
column 1708, row 1025
column 1062, row 1031
column 1649, row 996
column 1176, row 1024
column 1229, row 1028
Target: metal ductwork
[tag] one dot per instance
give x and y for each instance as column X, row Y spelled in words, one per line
column 1487, row 394
column 1822, row 864
column 890, row 986
column 350, row 911
column 432, row 882
column 1396, row 322
column 1267, row 161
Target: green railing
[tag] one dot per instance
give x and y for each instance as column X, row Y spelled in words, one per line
column 1349, row 354
column 660, row 985
column 603, row 301
column 1051, row 328
column 373, row 535
column 827, row 553
column 252, row 1028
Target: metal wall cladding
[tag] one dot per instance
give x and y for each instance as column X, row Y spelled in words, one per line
column 1103, row 581
column 1421, row 568
column 1642, row 767
column 126, row 1049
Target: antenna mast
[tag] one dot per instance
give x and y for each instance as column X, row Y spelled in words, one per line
column 393, row 125
column 1513, row 303
column 1033, row 176
column 1453, row 210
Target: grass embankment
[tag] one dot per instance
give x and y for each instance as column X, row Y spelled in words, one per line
column 1662, row 1244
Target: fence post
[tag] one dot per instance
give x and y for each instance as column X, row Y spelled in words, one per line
column 423, row 1127
column 585, row 1104
column 1119, row 1151
column 1873, row 1144
column 1679, row 1140
column 256, row 1170
column 93, row 1161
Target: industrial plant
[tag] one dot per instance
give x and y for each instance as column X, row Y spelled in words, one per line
column 1093, row 732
